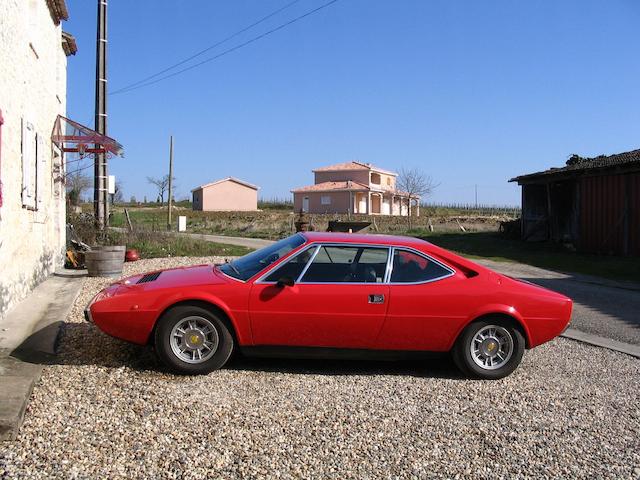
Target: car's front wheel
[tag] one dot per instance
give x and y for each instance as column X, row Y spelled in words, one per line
column 489, row 349
column 192, row 340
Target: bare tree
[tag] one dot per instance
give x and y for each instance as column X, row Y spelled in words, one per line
column 118, row 195
column 162, row 184
column 76, row 184
column 416, row 184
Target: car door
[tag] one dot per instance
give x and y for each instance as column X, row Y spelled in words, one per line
column 339, row 299
column 426, row 303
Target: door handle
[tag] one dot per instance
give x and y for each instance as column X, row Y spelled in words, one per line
column 376, row 298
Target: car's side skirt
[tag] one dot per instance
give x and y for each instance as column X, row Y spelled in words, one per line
column 283, row 351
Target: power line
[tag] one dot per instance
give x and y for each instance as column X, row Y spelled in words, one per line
column 205, row 50
column 225, row 52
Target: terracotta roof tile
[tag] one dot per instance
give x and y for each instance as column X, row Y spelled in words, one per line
column 329, row 186
column 577, row 163
column 353, row 165
column 228, row 179
column 342, row 166
column 345, row 186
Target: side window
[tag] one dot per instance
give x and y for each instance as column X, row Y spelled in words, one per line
column 293, row 268
column 347, row 264
column 409, row 267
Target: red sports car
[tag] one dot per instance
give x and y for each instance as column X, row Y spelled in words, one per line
column 334, row 295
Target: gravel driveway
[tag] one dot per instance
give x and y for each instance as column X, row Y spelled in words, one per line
column 107, row 409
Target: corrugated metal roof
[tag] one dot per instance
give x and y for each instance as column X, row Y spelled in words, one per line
column 577, row 164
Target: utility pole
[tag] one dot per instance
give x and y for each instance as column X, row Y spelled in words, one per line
column 100, row 190
column 169, row 201
column 476, row 196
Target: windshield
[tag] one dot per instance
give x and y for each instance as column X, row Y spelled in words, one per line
column 246, row 267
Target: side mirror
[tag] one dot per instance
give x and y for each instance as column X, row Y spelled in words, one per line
column 285, row 282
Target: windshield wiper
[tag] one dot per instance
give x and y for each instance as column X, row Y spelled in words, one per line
column 233, row 267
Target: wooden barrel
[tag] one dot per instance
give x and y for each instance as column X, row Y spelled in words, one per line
column 105, row 261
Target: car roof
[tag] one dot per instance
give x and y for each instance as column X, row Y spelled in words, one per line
column 368, row 238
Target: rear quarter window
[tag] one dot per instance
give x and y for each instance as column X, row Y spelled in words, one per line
column 410, row 267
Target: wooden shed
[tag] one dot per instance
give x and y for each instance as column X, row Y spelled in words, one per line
column 591, row 203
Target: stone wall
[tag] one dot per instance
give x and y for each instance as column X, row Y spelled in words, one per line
column 32, row 89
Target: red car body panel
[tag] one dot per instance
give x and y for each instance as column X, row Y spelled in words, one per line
column 316, row 315
column 424, row 316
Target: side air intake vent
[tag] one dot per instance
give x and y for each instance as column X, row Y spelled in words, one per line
column 149, row 277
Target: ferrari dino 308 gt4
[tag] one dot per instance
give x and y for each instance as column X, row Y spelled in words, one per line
column 330, row 294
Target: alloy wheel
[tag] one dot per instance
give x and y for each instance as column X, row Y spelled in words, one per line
column 491, row 347
column 194, row 339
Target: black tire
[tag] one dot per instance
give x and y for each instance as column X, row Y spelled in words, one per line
column 462, row 350
column 176, row 315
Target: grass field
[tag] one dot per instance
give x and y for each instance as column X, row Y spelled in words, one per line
column 494, row 246
column 277, row 223
column 156, row 245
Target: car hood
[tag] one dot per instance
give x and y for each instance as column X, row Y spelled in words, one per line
column 173, row 277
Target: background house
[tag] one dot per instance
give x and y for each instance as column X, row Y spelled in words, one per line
column 228, row 194
column 33, row 59
column 353, row 187
column 593, row 203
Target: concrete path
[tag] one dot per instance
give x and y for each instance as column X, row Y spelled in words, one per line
column 629, row 349
column 248, row 242
column 28, row 339
column 240, row 241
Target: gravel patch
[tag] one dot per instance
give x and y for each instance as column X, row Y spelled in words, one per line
column 108, row 409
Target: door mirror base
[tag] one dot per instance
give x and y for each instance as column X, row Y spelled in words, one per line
column 285, row 282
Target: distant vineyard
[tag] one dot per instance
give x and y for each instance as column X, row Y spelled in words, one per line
column 481, row 210
column 275, row 203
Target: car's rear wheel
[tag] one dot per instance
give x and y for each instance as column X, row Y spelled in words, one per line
column 192, row 340
column 489, row 349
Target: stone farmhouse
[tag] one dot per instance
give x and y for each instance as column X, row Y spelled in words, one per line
column 354, row 187
column 33, row 82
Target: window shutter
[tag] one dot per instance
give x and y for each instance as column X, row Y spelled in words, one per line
column 40, row 170
column 28, row 164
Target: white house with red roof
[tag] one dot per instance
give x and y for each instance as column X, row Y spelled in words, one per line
column 353, row 187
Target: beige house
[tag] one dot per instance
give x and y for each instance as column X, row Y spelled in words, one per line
column 354, row 187
column 33, row 82
column 228, row 194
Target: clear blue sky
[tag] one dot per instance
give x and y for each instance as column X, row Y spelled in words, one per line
column 471, row 92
